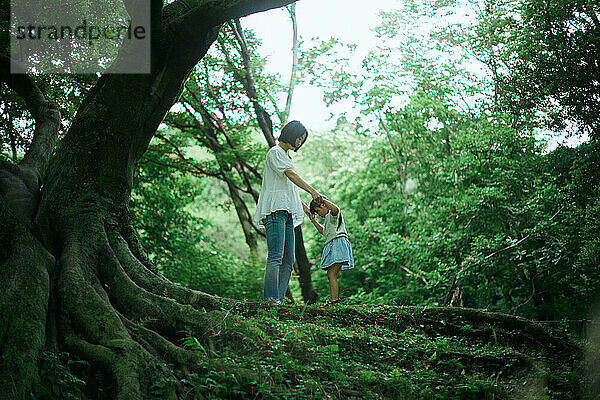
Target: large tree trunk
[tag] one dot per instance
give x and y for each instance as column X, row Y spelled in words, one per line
column 309, row 293
column 70, row 263
column 244, row 217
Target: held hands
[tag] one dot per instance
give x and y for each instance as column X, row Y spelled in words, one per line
column 307, row 212
column 318, row 197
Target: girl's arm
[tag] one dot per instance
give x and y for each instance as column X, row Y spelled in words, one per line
column 295, row 178
column 305, row 208
column 332, row 207
column 312, row 218
column 316, row 223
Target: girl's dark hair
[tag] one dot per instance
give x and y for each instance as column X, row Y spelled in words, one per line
column 292, row 131
column 313, row 210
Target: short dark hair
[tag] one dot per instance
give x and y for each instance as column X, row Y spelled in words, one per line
column 292, row 131
column 313, row 210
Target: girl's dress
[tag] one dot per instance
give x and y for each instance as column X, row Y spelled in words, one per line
column 337, row 246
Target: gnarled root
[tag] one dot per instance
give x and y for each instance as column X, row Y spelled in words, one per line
column 128, row 257
column 482, row 325
column 99, row 305
column 90, row 327
column 24, row 280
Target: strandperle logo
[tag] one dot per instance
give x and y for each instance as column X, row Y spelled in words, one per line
column 79, row 36
column 84, row 32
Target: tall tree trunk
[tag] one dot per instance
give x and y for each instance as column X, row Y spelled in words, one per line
column 244, row 217
column 293, row 79
column 309, row 293
column 454, row 296
column 208, row 138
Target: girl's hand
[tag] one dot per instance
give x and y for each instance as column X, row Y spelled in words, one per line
column 311, row 217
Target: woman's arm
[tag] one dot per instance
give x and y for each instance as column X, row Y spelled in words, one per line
column 295, row 178
column 332, row 207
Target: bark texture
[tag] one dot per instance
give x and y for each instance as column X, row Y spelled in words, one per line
column 73, row 271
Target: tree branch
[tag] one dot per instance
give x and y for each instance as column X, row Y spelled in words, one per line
column 408, row 271
column 236, row 74
column 45, row 114
column 191, row 15
column 242, row 172
column 182, row 156
column 210, row 141
column 507, row 247
column 264, row 121
column 216, row 124
column 290, row 93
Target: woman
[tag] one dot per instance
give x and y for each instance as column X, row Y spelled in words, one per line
column 280, row 210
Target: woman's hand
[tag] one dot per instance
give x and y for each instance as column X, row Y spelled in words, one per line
column 318, row 197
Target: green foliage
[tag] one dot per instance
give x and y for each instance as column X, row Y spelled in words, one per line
column 161, row 389
column 177, row 240
column 16, row 123
column 448, row 195
column 456, row 200
column 544, row 55
column 369, row 352
column 57, row 381
column 496, row 217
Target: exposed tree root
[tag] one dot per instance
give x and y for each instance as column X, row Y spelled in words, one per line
column 484, row 326
column 24, row 281
column 169, row 316
column 187, row 359
column 90, row 327
column 130, row 322
column 97, row 304
column 516, row 329
column 130, row 236
column 155, row 283
column 163, row 348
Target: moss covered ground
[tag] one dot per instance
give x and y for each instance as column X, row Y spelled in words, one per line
column 263, row 351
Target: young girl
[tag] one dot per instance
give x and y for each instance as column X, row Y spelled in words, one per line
column 279, row 209
column 337, row 253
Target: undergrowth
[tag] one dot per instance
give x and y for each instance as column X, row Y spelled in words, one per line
column 350, row 352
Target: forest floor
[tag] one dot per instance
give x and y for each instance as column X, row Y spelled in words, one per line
column 264, row 351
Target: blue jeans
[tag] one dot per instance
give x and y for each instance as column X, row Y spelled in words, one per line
column 279, row 229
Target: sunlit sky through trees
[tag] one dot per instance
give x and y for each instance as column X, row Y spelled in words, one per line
column 351, row 21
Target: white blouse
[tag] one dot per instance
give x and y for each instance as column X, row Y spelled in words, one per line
column 277, row 192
